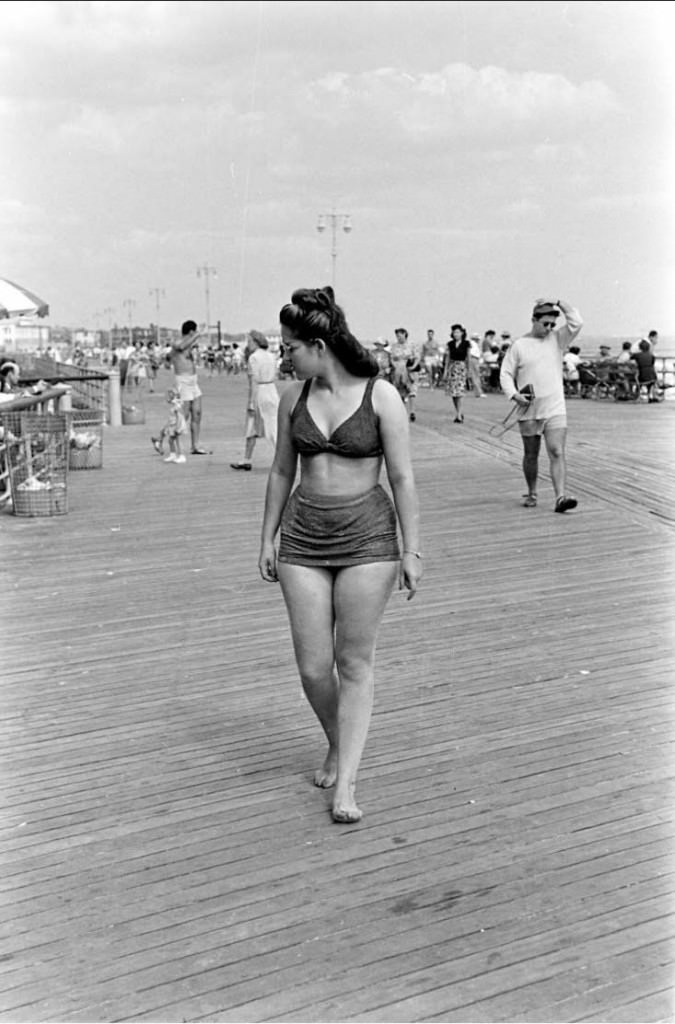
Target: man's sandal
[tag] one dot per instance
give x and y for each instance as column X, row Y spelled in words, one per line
column 530, row 501
column 564, row 504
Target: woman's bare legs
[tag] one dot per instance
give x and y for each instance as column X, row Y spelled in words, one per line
column 361, row 593
column 334, row 623
column 308, row 594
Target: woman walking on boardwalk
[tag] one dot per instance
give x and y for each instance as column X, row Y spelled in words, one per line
column 454, row 368
column 262, row 406
column 339, row 555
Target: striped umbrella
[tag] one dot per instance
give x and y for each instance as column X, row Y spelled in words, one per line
column 18, row 301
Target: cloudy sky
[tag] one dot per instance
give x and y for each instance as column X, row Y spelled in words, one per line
column 487, row 153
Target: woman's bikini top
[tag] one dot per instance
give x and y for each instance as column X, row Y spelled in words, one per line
column 357, row 437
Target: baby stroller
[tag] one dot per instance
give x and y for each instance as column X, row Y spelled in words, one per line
column 588, row 381
column 625, row 384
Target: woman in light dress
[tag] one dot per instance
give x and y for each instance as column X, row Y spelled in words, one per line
column 263, row 398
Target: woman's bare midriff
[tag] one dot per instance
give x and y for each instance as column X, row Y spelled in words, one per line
column 328, row 474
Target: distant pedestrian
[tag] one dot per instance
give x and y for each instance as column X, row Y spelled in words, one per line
column 646, row 361
column 262, row 406
column 184, row 357
column 474, row 359
column 571, row 361
column 625, row 353
column 492, row 363
column 173, row 430
column 406, row 369
column 455, row 368
column 488, row 341
column 536, row 360
column 385, row 367
column 432, row 358
column 651, row 339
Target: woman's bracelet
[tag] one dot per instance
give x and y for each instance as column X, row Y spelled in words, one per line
column 407, row 551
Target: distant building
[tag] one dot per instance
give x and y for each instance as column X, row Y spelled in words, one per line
column 22, row 335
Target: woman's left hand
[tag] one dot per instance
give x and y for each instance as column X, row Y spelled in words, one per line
column 410, row 574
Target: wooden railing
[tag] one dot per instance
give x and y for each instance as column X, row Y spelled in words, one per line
column 90, row 389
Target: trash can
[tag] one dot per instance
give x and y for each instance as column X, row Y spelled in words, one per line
column 37, row 455
column 133, row 404
column 85, row 439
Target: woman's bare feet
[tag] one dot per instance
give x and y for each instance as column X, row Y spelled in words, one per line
column 345, row 811
column 326, row 775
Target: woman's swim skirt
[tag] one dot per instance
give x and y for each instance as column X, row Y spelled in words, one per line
column 333, row 532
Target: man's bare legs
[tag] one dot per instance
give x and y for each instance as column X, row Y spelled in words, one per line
column 334, row 619
column 193, row 413
column 555, row 446
column 531, row 446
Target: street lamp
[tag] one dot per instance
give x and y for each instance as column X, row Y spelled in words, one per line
column 335, row 220
column 109, row 312
column 129, row 304
column 158, row 293
column 206, row 272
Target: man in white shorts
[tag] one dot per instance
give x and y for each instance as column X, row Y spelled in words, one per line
column 535, row 361
column 187, row 384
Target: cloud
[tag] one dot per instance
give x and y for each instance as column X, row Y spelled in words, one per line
column 15, row 213
column 524, row 209
column 459, row 103
column 634, row 201
column 92, row 128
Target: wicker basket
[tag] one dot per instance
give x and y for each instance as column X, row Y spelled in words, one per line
column 37, row 453
column 85, row 439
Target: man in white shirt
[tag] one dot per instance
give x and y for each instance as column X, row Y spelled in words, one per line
column 535, row 361
column 571, row 361
column 474, row 365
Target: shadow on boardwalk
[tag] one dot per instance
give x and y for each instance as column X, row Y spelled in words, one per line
column 164, row 854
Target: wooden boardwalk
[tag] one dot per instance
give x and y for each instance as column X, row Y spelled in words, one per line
column 164, row 855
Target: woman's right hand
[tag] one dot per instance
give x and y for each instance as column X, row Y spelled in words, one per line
column 410, row 573
column 267, row 563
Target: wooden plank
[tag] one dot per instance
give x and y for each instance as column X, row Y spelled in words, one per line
column 164, row 855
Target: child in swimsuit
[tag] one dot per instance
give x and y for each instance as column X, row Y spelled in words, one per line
column 173, row 430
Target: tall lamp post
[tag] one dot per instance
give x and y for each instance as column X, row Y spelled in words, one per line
column 206, row 272
column 129, row 304
column 109, row 312
column 335, row 220
column 158, row 293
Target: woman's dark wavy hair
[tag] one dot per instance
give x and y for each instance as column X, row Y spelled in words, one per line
column 313, row 313
column 459, row 327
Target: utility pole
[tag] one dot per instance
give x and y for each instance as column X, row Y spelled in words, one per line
column 109, row 312
column 206, row 272
column 129, row 304
column 159, row 294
